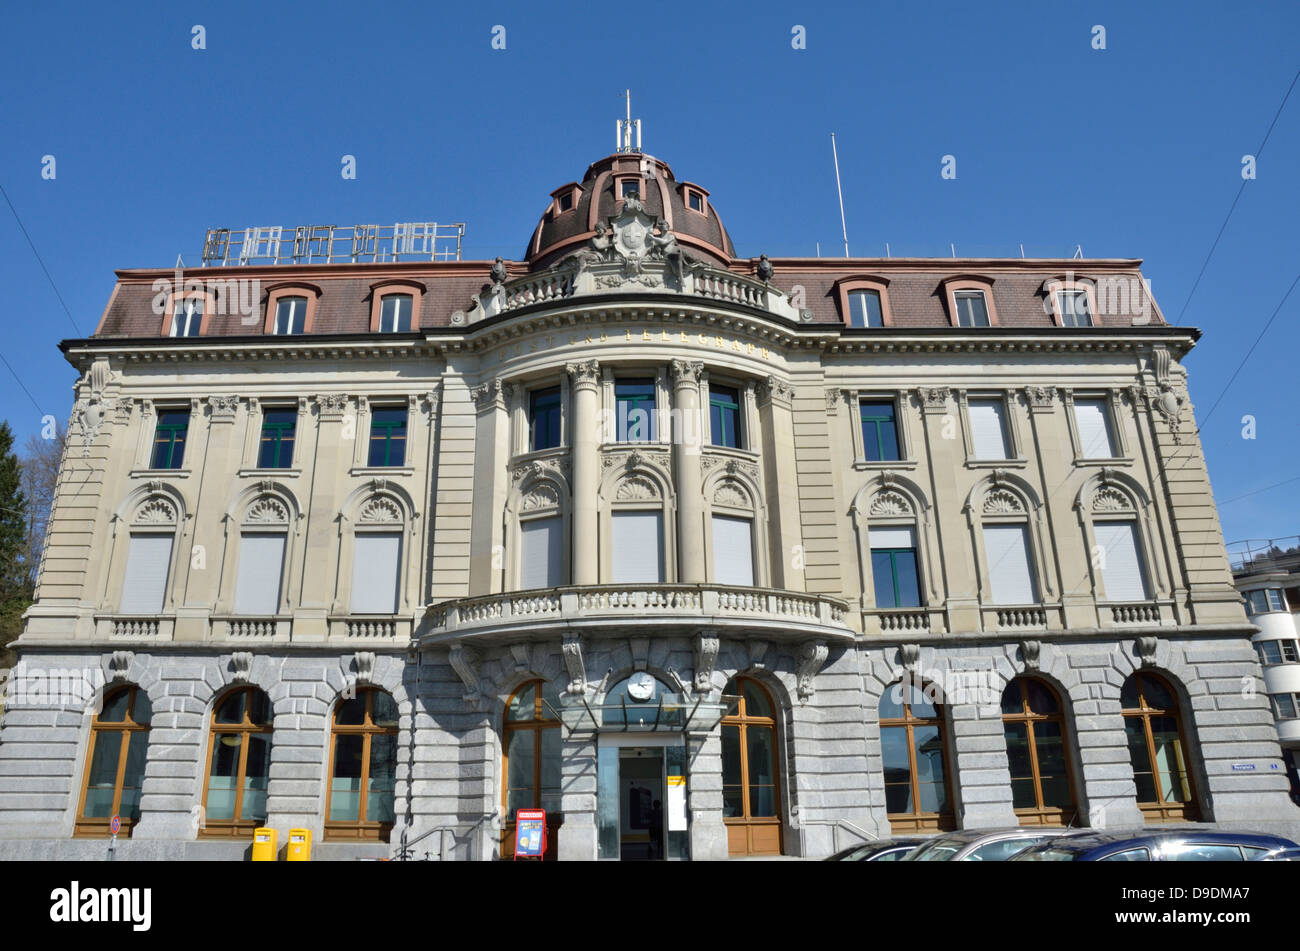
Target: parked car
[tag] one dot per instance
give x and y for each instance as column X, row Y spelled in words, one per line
column 981, row 845
column 1280, row 855
column 882, row 850
column 1167, row 845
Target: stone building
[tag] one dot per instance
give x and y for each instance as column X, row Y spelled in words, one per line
column 705, row 555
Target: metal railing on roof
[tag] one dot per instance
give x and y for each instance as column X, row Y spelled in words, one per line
column 334, row 244
column 1265, row 554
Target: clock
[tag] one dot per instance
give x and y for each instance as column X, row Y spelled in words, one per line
column 641, row 687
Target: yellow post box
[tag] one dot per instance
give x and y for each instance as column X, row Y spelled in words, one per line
column 299, row 847
column 264, row 845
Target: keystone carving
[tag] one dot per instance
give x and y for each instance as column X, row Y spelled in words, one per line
column 119, row 666
column 223, row 408
column 706, row 655
column 571, row 648
column 1040, row 398
column 1146, row 650
column 757, row 653
column 332, row 405
column 464, row 660
column 520, row 654
column 241, row 664
column 1030, row 651
column 363, row 662
column 934, row 399
column 811, row 659
column 909, row 657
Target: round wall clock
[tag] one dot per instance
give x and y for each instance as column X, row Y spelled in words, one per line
column 641, row 687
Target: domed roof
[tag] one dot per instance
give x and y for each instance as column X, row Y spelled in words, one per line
column 575, row 208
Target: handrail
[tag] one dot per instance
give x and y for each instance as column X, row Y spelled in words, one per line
column 836, row 824
column 404, row 849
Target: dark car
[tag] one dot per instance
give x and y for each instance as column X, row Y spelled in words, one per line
column 981, row 845
column 1280, row 855
column 882, row 850
column 1143, row 845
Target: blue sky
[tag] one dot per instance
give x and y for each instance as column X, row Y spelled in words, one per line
column 1134, row 150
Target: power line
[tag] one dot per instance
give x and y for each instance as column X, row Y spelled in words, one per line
column 1258, row 491
column 24, row 388
column 39, row 261
column 1258, row 152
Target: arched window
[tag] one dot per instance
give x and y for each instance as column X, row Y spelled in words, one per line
column 1155, row 745
column 1042, row 791
column 239, row 765
column 363, row 766
column 914, row 755
column 531, row 761
column 751, row 788
column 119, row 736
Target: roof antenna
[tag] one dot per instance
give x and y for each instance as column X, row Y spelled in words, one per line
column 623, row 129
column 1078, row 251
column 843, row 230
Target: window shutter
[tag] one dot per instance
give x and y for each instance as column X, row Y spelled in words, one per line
column 988, row 429
column 1122, row 572
column 1006, row 547
column 375, row 561
column 1093, row 422
column 540, row 553
column 261, row 563
column 637, row 541
column 147, row 562
column 891, row 538
column 733, row 550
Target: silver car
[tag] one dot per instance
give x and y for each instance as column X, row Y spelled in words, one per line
column 981, row 845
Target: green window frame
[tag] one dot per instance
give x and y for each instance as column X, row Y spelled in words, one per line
column 169, row 440
column 724, row 417
column 276, row 446
column 388, row 436
column 544, row 419
column 632, row 396
column 879, row 430
column 901, row 597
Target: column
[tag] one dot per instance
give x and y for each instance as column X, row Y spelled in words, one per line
column 586, row 469
column 491, row 482
column 687, row 437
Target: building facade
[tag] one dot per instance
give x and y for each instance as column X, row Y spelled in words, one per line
column 704, row 555
column 1266, row 575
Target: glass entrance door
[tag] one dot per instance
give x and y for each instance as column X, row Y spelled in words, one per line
column 641, row 803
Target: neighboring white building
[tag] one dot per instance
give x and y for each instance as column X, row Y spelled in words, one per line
column 1267, row 573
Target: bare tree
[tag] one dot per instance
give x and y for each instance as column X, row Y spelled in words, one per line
column 40, row 477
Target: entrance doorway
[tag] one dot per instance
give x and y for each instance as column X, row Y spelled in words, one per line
column 641, row 803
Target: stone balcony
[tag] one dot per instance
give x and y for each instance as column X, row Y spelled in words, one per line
column 770, row 613
column 571, row 279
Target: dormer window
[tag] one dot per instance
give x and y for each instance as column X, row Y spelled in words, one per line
column 972, row 309
column 290, row 315
column 395, row 314
column 395, row 306
column 1072, row 302
column 566, row 202
column 864, row 309
column 695, row 201
column 629, row 188
column 864, row 301
column 187, row 318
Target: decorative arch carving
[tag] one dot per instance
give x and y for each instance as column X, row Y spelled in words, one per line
column 1112, row 493
column 893, row 500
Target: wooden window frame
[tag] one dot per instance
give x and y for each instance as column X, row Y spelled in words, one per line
column 1162, row 811
column 236, row 827
column 290, row 289
column 359, row 829
column 96, row 827
column 689, row 189
column 536, row 724
column 917, row 821
column 381, row 289
column 1044, row 815
column 878, row 284
column 209, row 307
column 743, row 720
column 954, row 284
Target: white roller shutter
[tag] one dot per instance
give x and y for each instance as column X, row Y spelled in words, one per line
column 891, row 538
column 261, row 563
column 540, row 554
column 637, row 541
column 147, row 562
column 988, row 429
column 375, row 561
column 733, row 550
column 1092, row 420
column 1006, row 547
column 1121, row 572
